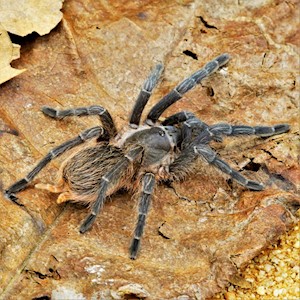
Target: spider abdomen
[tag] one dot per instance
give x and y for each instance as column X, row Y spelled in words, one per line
column 82, row 172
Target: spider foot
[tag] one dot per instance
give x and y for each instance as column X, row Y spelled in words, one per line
column 265, row 131
column 281, row 128
column 16, row 187
column 239, row 178
column 223, row 59
column 87, row 223
column 134, row 248
column 12, row 197
column 50, row 112
column 253, row 185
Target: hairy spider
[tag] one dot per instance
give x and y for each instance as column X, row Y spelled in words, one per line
column 141, row 155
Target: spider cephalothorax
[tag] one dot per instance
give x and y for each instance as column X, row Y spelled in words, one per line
column 141, row 155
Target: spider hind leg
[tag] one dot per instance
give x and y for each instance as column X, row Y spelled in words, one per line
column 80, row 139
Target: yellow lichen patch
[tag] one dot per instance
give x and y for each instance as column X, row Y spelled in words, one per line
column 275, row 274
column 32, row 15
column 8, row 52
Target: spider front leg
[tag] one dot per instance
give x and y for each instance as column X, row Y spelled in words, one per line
column 234, row 130
column 144, row 95
column 110, row 178
column 148, row 183
column 81, row 138
column 178, row 118
column 97, row 110
column 184, row 86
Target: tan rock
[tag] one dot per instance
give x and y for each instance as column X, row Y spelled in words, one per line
column 101, row 54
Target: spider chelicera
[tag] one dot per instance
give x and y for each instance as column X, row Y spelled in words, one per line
column 141, row 155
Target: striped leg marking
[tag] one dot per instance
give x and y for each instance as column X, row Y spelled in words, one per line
column 81, row 138
column 148, row 182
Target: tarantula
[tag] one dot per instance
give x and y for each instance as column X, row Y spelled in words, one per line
column 141, row 155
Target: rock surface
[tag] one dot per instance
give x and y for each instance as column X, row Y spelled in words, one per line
column 198, row 231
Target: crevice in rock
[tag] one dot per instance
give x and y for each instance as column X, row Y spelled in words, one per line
column 190, row 54
column 252, row 166
column 181, row 197
column 52, row 274
column 161, row 233
column 42, row 298
column 205, row 23
column 271, row 155
column 210, row 91
column 132, row 297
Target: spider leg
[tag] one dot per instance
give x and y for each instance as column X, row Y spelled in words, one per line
column 185, row 86
column 262, row 131
column 183, row 164
column 177, row 118
column 144, row 95
column 211, row 157
column 148, row 182
column 103, row 114
column 110, row 178
column 199, row 147
column 189, row 123
column 81, row 138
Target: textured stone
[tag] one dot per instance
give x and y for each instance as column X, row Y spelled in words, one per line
column 198, row 231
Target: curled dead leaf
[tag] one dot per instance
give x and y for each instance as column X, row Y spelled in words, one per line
column 8, row 52
column 30, row 16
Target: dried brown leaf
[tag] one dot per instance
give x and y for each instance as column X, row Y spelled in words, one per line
column 8, row 53
column 30, row 16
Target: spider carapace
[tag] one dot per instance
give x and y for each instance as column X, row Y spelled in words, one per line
column 142, row 155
